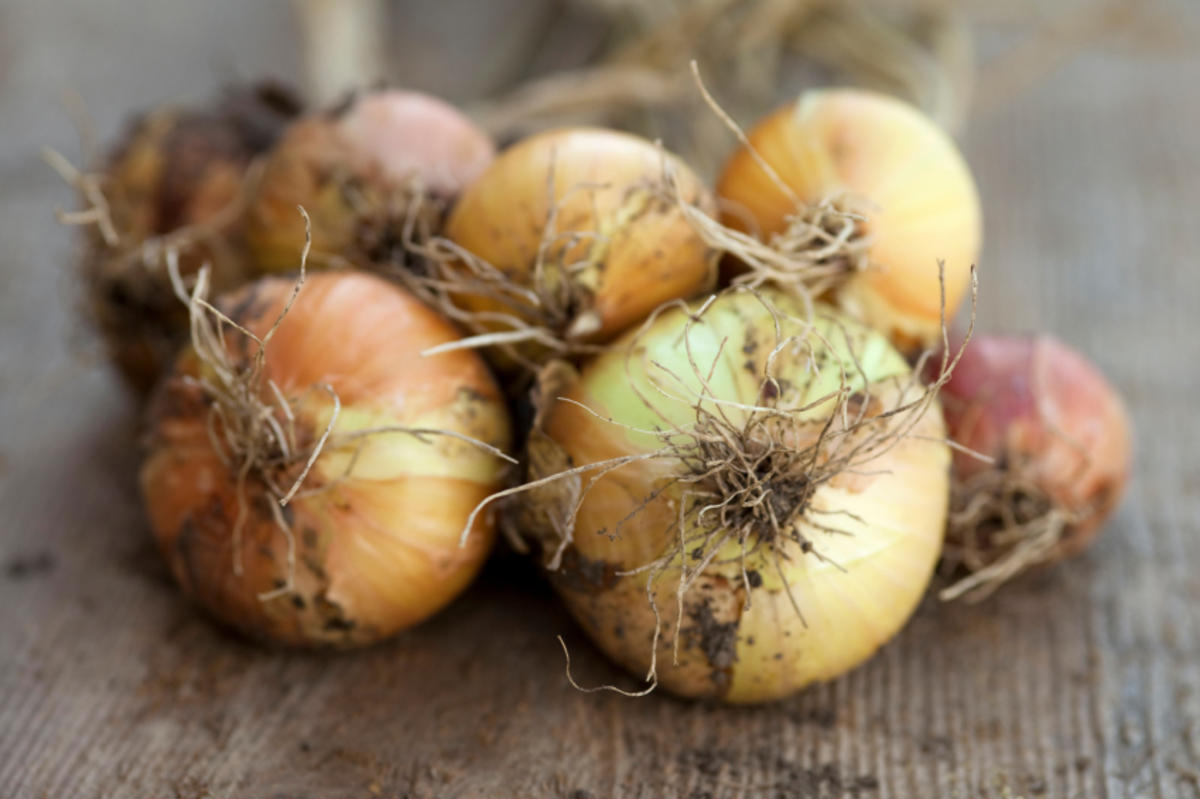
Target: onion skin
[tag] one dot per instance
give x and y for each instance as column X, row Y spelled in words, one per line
column 377, row 551
column 603, row 182
column 354, row 170
column 735, row 647
column 175, row 168
column 1035, row 404
column 922, row 206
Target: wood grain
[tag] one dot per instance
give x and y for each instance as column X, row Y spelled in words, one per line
column 1079, row 682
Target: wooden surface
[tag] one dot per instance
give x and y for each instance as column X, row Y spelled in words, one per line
column 1081, row 682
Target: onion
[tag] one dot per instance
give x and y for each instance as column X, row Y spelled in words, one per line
column 175, row 179
column 569, row 238
column 361, row 171
column 844, row 169
column 736, row 502
column 313, row 492
column 1059, row 444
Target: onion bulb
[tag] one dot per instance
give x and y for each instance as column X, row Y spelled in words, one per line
column 570, row 236
column 314, row 492
column 175, row 179
column 737, row 502
column 1058, row 439
column 363, row 171
column 898, row 170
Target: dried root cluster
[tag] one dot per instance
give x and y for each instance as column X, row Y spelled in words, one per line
column 251, row 423
column 1002, row 522
column 823, row 244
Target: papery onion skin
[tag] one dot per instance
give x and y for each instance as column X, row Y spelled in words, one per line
column 916, row 190
column 603, row 182
column 355, row 169
column 734, row 647
column 175, row 168
column 1032, row 403
column 377, row 551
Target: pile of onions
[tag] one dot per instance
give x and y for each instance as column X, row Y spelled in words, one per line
column 737, row 502
column 1044, row 458
column 173, row 182
column 383, row 162
column 911, row 201
column 736, row 494
column 313, row 490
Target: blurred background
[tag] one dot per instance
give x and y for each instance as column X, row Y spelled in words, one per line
column 1081, row 121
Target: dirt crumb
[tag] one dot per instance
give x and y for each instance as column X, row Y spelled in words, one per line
column 191, row 788
column 823, row 717
column 580, row 573
column 37, row 564
column 938, row 747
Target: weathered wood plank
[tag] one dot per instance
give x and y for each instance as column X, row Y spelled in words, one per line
column 1080, row 682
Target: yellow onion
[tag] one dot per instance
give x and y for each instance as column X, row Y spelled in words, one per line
column 358, row 170
column 791, row 480
column 899, row 169
column 583, row 233
column 1058, row 439
column 178, row 173
column 364, row 543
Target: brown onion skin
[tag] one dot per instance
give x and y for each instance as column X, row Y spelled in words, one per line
column 1033, row 402
column 352, row 169
column 376, row 552
column 174, row 168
